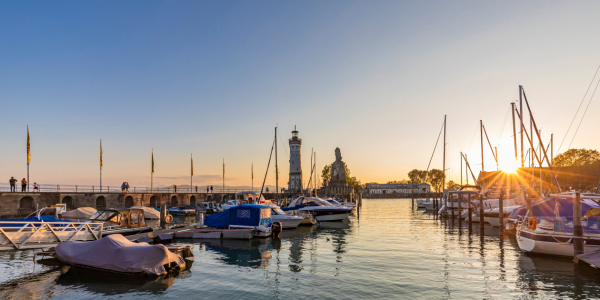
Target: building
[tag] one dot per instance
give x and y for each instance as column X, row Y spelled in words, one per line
column 407, row 188
column 295, row 181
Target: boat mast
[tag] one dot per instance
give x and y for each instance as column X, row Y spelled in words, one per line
column 521, row 121
column 461, row 160
column 512, row 104
column 481, row 133
column 444, row 161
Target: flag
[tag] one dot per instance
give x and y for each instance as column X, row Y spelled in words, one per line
column 101, row 165
column 192, row 164
column 28, row 146
column 153, row 161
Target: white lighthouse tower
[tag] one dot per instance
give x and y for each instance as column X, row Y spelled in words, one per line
column 295, row 183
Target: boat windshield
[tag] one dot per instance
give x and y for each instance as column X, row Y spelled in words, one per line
column 333, row 201
column 278, row 211
column 102, row 215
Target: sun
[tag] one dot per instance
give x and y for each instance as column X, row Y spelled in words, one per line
column 509, row 166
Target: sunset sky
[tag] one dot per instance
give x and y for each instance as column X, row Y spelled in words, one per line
column 214, row 78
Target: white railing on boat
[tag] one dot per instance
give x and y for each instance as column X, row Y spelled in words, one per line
column 28, row 235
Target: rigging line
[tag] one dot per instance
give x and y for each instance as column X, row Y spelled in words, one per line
column 473, row 138
column 436, row 143
column 267, row 172
column 583, row 116
column 588, row 89
column 285, row 147
column 456, row 138
column 502, row 128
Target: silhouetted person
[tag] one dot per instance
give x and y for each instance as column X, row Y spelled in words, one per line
column 196, row 189
column 23, row 185
column 175, row 188
column 211, row 188
column 13, row 183
column 207, row 188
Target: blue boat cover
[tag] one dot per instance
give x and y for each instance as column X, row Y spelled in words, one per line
column 549, row 208
column 244, row 215
column 43, row 218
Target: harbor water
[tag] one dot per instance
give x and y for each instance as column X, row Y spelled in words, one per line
column 390, row 251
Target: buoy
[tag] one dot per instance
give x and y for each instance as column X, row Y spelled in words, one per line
column 169, row 219
column 532, row 223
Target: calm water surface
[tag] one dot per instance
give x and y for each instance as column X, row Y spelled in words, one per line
column 390, row 251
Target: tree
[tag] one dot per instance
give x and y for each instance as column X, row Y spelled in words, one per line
column 576, row 158
column 435, row 178
column 326, row 174
column 451, row 184
column 416, row 176
column 403, row 181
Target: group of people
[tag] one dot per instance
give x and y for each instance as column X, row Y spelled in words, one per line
column 13, row 185
column 125, row 187
column 209, row 188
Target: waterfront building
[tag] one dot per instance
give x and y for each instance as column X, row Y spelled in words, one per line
column 295, row 180
column 394, row 188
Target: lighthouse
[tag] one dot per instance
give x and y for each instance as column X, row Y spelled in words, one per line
column 295, row 183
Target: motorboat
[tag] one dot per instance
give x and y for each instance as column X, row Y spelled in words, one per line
column 231, row 203
column 181, row 211
column 320, row 209
column 246, row 216
column 492, row 216
column 286, row 220
column 337, row 202
column 116, row 254
column 552, row 230
column 121, row 220
column 209, row 207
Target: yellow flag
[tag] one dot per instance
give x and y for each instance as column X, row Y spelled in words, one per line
column 152, row 160
column 101, row 165
column 192, row 164
column 28, row 146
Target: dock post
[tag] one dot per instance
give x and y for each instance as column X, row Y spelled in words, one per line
column 435, row 203
column 460, row 199
column 412, row 195
column 163, row 216
column 501, row 209
column 450, row 207
column 481, row 212
column 577, row 228
column 469, row 211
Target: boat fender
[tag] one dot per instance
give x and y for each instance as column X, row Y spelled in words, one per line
column 276, row 228
column 169, row 219
column 532, row 223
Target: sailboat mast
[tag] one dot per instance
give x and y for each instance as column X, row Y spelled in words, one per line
column 461, row 173
column 521, row 120
column 512, row 104
column 444, row 161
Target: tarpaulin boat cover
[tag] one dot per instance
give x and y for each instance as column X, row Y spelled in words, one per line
column 80, row 213
column 118, row 254
column 553, row 207
column 592, row 258
column 149, row 212
column 244, row 215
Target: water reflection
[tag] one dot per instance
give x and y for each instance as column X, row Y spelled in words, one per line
column 254, row 253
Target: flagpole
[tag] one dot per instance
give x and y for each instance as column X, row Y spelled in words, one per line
column 252, row 171
column 152, row 173
column 276, row 168
column 223, row 175
column 192, row 172
column 28, row 157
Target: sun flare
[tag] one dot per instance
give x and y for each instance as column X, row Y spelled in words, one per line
column 509, row 166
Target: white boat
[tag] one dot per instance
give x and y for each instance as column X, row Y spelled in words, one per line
column 286, row 220
column 491, row 216
column 320, row 209
column 246, row 216
column 82, row 213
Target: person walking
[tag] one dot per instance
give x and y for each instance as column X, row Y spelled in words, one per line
column 36, row 187
column 211, row 189
column 196, row 189
column 23, row 185
column 207, row 188
column 13, row 183
column 175, row 188
column 123, row 186
column 127, row 186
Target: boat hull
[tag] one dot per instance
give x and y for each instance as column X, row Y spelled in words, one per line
column 333, row 217
column 549, row 243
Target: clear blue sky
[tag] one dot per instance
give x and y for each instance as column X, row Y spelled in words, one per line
column 213, row 78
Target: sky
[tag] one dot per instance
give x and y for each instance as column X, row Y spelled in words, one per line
column 213, row 79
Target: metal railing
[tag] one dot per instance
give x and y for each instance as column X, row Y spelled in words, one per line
column 67, row 188
column 27, row 235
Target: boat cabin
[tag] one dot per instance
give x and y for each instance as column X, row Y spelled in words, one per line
column 125, row 217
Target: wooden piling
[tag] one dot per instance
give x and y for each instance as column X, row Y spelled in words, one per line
column 481, row 212
column 501, row 209
column 460, row 199
column 469, row 211
column 163, row 216
column 577, row 228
